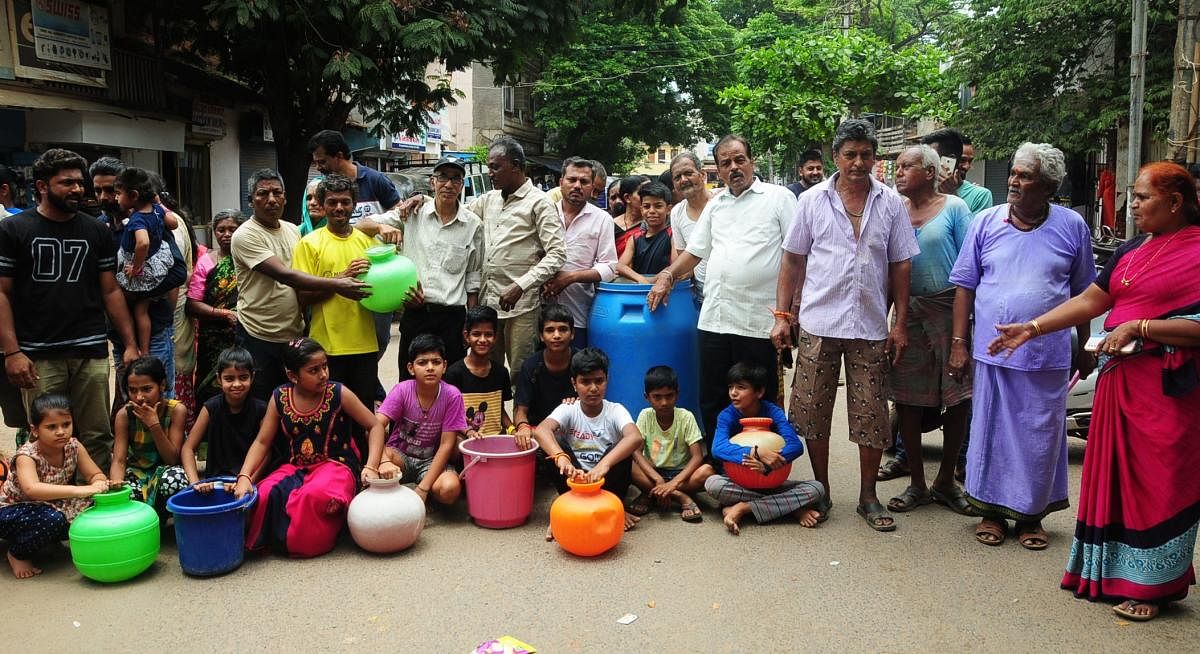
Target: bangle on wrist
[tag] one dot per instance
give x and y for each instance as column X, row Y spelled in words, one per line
column 554, row 457
column 372, row 469
column 522, row 424
column 157, row 424
column 1037, row 327
column 960, row 339
column 242, row 474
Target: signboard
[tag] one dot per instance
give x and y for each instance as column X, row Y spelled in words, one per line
column 48, row 41
column 71, row 32
column 268, row 133
column 403, row 142
column 433, row 131
column 208, row 119
column 6, row 48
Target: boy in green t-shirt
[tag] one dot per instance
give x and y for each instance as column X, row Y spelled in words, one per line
column 670, row 465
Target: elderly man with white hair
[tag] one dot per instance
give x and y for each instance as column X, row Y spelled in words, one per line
column 920, row 378
column 1020, row 260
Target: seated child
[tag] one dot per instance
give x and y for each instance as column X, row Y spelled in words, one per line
column 424, row 415
column 144, row 259
column 301, row 506
column 228, row 422
column 747, row 383
column 148, row 435
column 650, row 252
column 545, row 377
column 670, row 466
column 484, row 384
column 592, row 438
column 39, row 499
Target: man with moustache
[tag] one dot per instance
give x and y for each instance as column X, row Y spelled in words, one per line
column 268, row 309
column 847, row 252
column 687, row 177
column 57, row 284
column 740, row 235
column 591, row 248
column 811, row 171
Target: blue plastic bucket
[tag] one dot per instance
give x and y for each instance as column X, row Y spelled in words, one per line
column 637, row 339
column 210, row 529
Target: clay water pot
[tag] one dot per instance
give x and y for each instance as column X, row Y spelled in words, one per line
column 115, row 540
column 391, row 277
column 587, row 520
column 386, row 517
column 756, row 433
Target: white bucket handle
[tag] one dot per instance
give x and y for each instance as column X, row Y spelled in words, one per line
column 477, row 459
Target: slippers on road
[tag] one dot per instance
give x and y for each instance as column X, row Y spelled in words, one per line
column 991, row 532
column 877, row 517
column 911, row 498
column 1128, row 610
column 954, row 499
column 893, row 469
column 1032, row 537
column 691, row 513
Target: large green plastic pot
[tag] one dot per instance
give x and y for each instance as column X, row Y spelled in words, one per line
column 115, row 540
column 391, row 277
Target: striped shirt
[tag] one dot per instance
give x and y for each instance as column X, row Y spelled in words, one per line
column 846, row 281
column 56, row 268
column 740, row 238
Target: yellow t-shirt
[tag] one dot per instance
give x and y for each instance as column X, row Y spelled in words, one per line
column 668, row 449
column 342, row 326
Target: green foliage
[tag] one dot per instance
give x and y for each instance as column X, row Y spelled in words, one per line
column 793, row 92
column 1057, row 71
column 312, row 61
column 628, row 81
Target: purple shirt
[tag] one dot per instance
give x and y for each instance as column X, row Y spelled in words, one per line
column 846, row 280
column 415, row 431
column 1017, row 276
column 590, row 246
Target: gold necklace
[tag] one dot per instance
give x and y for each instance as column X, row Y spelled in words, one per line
column 1126, row 278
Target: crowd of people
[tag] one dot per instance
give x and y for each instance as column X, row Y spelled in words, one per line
column 956, row 311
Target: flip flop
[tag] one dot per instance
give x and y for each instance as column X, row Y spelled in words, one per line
column 1125, row 610
column 640, row 505
column 910, row 499
column 691, row 513
column 1032, row 537
column 954, row 499
column 893, row 469
column 993, row 529
column 874, row 514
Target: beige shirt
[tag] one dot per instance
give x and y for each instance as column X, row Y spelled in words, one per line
column 267, row 309
column 449, row 256
column 523, row 244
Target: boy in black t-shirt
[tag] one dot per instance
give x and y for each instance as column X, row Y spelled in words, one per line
column 59, row 272
column 484, row 385
column 545, row 379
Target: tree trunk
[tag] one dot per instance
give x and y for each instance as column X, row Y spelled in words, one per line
column 1182, row 132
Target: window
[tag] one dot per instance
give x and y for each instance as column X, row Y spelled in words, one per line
column 662, row 155
column 509, row 99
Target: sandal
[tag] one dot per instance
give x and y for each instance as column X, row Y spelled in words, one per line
column 991, row 532
column 1126, row 610
column 640, row 505
column 954, row 499
column 894, row 469
column 876, row 515
column 1032, row 537
column 691, row 513
column 910, row 499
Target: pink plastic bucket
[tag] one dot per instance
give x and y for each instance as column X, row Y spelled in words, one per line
column 499, row 480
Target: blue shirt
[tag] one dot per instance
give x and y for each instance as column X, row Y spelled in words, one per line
column 376, row 193
column 728, row 426
column 940, row 241
column 152, row 222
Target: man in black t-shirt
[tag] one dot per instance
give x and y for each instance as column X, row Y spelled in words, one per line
column 57, row 282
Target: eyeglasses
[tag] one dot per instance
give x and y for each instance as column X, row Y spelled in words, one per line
column 448, row 180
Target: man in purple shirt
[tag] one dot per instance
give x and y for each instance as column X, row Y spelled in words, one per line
column 850, row 244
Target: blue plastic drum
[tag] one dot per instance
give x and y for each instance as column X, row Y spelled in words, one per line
column 210, row 529
column 635, row 340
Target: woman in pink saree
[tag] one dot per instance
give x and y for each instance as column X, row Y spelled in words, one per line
column 1139, row 502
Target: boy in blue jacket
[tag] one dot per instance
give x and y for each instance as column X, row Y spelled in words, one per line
column 747, row 384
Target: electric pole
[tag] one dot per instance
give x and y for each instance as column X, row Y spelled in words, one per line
column 1137, row 88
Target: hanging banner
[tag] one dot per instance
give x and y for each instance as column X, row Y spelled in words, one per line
column 71, row 32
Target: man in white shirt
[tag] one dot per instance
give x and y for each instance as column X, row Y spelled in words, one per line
column 740, row 235
column 687, row 182
column 591, row 252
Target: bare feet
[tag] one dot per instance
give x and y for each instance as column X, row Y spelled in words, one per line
column 808, row 517
column 631, row 521
column 334, row 507
column 732, row 515
column 22, row 569
column 549, row 535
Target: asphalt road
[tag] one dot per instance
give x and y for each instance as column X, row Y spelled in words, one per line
column 694, row 588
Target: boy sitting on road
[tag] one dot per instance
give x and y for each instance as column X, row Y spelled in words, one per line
column 670, row 466
column 424, row 416
column 747, row 384
column 592, row 438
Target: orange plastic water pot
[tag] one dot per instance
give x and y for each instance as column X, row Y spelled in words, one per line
column 587, row 520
